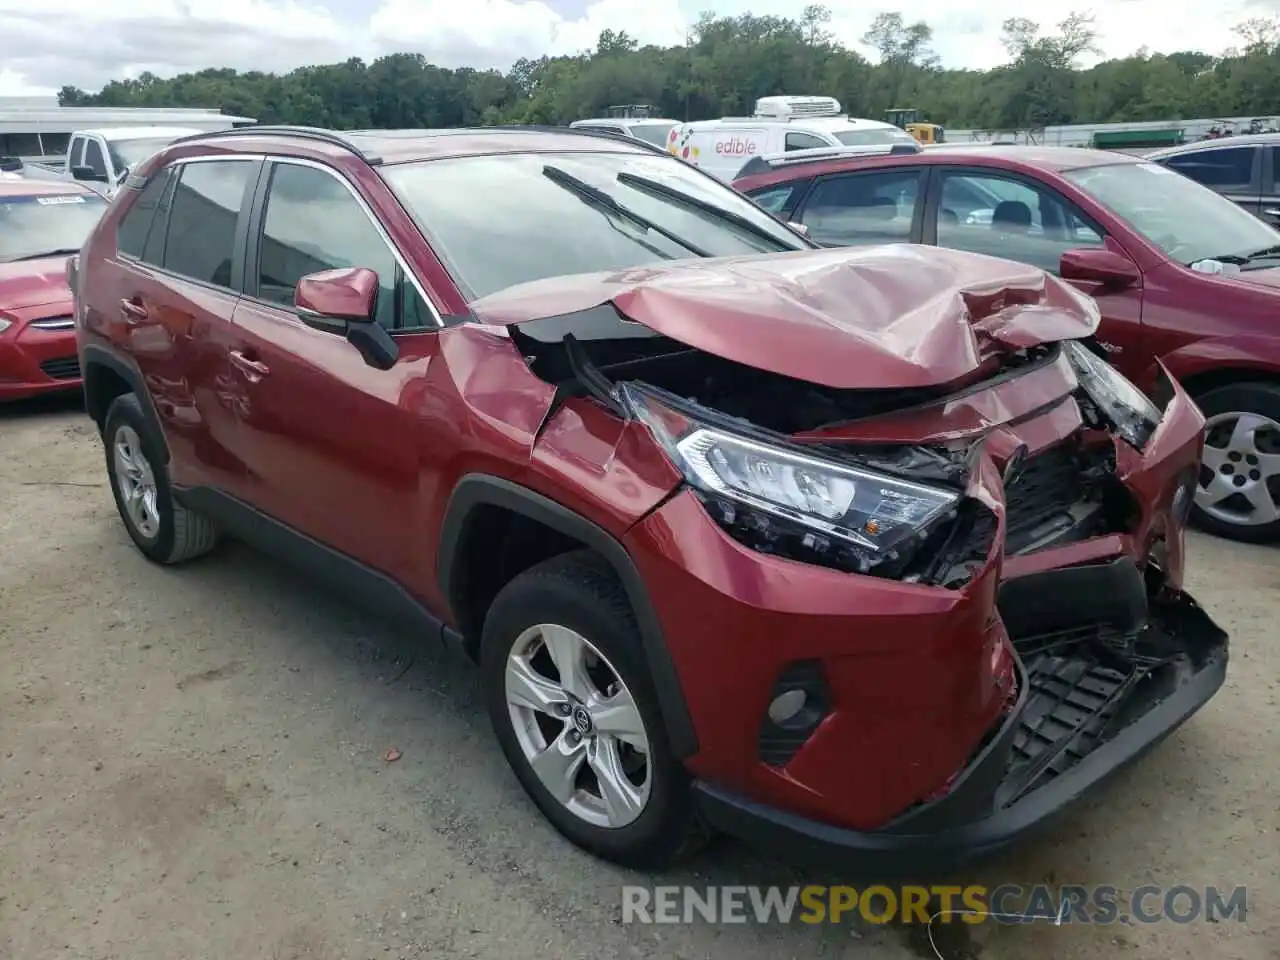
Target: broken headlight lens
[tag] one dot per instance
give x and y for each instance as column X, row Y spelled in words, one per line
column 1132, row 415
column 869, row 510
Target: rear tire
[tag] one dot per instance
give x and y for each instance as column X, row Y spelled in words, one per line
column 574, row 605
column 164, row 530
column 1238, row 496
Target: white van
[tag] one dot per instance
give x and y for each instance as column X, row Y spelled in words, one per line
column 655, row 130
column 779, row 125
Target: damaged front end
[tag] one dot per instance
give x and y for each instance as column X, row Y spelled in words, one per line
column 796, row 469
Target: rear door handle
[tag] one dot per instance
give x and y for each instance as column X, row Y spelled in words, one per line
column 253, row 370
column 133, row 310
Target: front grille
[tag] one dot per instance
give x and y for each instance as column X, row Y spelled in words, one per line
column 1049, row 484
column 62, row 368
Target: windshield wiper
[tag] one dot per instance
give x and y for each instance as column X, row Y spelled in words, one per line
column 694, row 203
column 1266, row 253
column 593, row 196
column 44, row 253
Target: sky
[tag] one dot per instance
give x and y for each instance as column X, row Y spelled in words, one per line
column 45, row 48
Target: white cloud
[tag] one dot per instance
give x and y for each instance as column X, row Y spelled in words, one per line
column 122, row 38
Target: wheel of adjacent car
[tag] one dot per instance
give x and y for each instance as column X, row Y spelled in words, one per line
column 1239, row 492
column 577, row 716
column 165, row 531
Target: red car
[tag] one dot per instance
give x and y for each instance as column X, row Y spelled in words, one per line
column 1182, row 275
column 40, row 224
column 860, row 555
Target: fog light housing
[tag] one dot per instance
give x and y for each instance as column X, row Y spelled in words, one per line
column 798, row 704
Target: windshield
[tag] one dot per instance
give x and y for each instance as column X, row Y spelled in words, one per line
column 54, row 224
column 1187, row 221
column 873, row 136
column 127, row 154
column 653, row 132
column 498, row 221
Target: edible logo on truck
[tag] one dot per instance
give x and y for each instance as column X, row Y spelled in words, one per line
column 737, row 147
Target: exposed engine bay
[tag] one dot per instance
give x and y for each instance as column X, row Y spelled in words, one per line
column 1068, row 492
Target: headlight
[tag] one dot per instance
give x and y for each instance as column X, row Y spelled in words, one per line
column 1132, row 415
column 5, row 324
column 877, row 515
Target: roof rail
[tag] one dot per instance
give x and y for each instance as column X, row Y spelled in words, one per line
column 581, row 132
column 286, row 130
column 771, row 161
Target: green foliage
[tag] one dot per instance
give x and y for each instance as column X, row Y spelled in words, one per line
column 728, row 62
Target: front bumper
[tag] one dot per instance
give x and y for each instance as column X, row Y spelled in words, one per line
column 35, row 361
column 1097, row 689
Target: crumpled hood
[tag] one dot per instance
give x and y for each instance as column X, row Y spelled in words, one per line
column 33, row 283
column 849, row 318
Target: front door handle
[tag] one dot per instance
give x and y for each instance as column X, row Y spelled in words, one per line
column 133, row 310
column 253, row 370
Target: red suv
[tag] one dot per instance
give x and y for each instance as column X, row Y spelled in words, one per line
column 860, row 555
column 40, row 223
column 1182, row 275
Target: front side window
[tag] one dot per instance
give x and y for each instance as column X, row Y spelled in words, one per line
column 804, row 141
column 93, row 157
column 314, row 223
column 46, row 226
column 1185, row 220
column 1221, row 169
column 501, row 220
column 202, row 219
column 863, row 208
column 127, row 154
column 1010, row 218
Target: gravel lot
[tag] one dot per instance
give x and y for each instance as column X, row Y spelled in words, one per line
column 191, row 765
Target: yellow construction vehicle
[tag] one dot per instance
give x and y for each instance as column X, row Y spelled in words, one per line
column 908, row 118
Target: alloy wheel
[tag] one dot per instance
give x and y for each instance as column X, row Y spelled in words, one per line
column 578, row 726
column 136, row 482
column 1240, row 469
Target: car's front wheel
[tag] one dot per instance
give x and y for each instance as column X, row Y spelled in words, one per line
column 577, row 716
column 164, row 530
column 1238, row 496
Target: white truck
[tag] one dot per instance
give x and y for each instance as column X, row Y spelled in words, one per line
column 105, row 156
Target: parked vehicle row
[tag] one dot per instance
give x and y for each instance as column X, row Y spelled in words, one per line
column 1186, row 282
column 105, row 156
column 862, row 554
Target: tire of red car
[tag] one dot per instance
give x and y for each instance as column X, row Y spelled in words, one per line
column 577, row 594
column 180, row 534
column 1237, row 463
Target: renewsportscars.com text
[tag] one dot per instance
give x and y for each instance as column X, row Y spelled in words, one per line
column 1008, row 904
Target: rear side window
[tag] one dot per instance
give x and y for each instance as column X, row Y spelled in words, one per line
column 863, row 208
column 131, row 234
column 202, row 219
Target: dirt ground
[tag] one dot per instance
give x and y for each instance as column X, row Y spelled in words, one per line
column 191, row 766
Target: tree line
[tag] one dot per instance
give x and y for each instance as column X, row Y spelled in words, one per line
column 729, row 62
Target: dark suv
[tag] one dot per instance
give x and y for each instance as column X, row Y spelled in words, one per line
column 854, row 553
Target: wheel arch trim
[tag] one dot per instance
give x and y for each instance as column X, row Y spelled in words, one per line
column 478, row 490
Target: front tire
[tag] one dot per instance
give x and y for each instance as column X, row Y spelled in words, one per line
column 1238, row 496
column 164, row 530
column 577, row 716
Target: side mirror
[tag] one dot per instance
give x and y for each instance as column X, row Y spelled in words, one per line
column 344, row 301
column 799, row 228
column 88, row 174
column 1099, row 265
